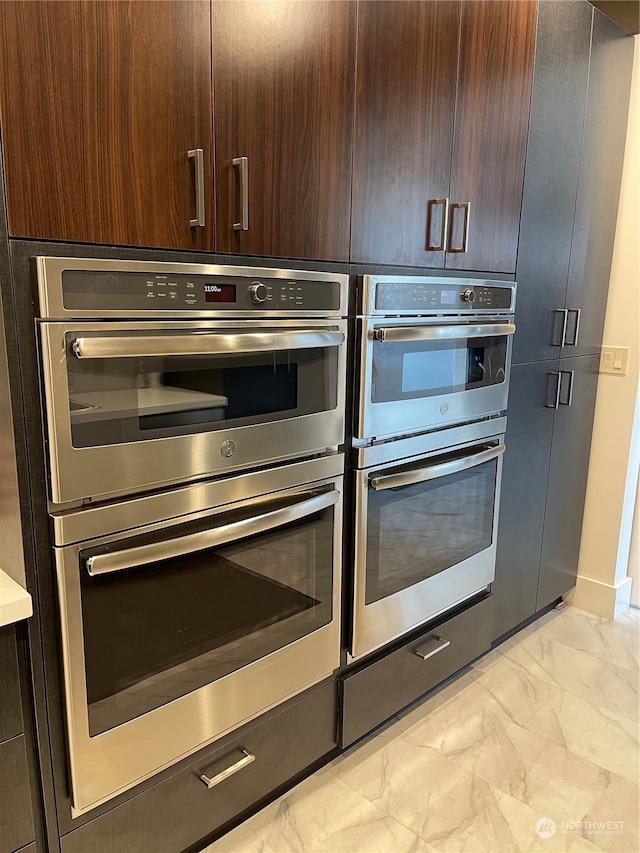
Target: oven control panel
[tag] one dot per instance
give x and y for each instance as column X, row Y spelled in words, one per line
column 422, row 295
column 107, row 290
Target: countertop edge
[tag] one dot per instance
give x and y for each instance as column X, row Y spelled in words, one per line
column 15, row 601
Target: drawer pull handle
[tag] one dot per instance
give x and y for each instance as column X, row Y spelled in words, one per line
column 431, row 647
column 247, row 758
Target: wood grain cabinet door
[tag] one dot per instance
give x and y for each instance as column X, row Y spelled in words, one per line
column 442, row 111
column 497, row 39
column 100, row 104
column 283, row 109
column 405, row 105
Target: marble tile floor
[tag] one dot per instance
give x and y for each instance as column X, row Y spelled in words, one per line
column 534, row 748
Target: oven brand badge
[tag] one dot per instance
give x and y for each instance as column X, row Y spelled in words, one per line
column 444, row 408
column 228, row 448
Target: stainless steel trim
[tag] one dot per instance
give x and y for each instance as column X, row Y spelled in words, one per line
column 196, row 501
column 202, row 343
column 556, row 402
column 433, row 472
column 369, row 285
column 576, row 330
column 444, row 224
column 466, row 206
column 406, row 449
column 115, row 561
column 431, row 646
column 50, row 271
column 399, row 334
column 569, row 400
column 564, row 313
column 243, row 164
column 248, row 758
column 197, row 154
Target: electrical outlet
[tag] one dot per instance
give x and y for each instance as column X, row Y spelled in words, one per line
column 614, row 360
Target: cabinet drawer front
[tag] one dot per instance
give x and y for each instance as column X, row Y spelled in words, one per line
column 16, row 818
column 181, row 811
column 381, row 689
column 10, row 707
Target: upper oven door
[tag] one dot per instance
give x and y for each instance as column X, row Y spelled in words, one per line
column 417, row 375
column 135, row 405
column 425, row 538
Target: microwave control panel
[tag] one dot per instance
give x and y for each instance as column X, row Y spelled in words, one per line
column 167, row 293
column 437, row 296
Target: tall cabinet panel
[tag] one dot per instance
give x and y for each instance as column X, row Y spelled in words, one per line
column 581, row 83
column 599, row 185
column 442, row 110
column 567, row 477
column 283, row 105
column 551, row 177
column 100, row 104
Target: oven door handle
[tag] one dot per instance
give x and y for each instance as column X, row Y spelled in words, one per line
column 432, row 472
column 101, row 564
column 203, row 343
column 402, row 334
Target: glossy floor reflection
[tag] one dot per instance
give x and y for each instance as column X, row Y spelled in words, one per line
column 535, row 748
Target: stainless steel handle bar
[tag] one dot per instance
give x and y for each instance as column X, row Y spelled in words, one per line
column 432, row 472
column 129, row 558
column 203, row 343
column 400, row 334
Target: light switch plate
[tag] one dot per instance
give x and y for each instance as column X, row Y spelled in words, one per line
column 614, row 360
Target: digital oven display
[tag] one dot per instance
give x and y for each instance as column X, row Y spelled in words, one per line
column 219, row 293
column 448, row 297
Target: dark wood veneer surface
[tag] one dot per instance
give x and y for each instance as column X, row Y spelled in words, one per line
column 10, row 708
column 100, row 103
column 406, row 91
column 497, row 40
column 16, row 820
column 283, row 97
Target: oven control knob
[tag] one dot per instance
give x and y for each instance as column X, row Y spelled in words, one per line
column 468, row 296
column 258, row 292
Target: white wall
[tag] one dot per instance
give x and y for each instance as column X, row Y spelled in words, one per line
column 604, row 581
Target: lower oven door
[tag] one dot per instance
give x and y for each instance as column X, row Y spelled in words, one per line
column 425, row 539
column 416, row 375
column 180, row 630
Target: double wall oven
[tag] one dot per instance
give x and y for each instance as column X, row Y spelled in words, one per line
column 194, row 423
column 434, row 360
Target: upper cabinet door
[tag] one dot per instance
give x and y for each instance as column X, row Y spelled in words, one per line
column 497, row 40
column 283, row 108
column 442, row 111
column 405, row 103
column 101, row 103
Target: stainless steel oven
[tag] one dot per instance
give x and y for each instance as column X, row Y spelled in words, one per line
column 157, row 373
column 433, row 352
column 187, row 612
column 426, row 513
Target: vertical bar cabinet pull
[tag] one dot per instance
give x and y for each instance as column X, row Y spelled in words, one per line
column 444, row 224
column 574, row 339
column 556, row 401
column 466, row 207
column 569, row 399
column 242, row 163
column 197, row 154
column 563, row 334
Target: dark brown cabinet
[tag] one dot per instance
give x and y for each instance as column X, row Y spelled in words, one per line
column 101, row 103
column 442, row 111
column 283, row 77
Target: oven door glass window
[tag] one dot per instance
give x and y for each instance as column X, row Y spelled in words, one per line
column 155, row 631
column 116, row 398
column 418, row 530
column 418, row 369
